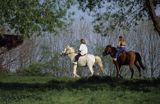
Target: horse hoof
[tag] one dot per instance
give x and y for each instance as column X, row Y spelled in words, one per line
column 77, row 76
column 119, row 76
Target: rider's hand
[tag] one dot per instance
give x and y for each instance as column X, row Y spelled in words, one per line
column 79, row 51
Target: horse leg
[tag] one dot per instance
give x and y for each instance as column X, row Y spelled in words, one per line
column 132, row 71
column 91, row 70
column 75, row 71
column 117, row 69
column 139, row 68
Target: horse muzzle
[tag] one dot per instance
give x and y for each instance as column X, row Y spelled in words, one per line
column 62, row 54
column 105, row 53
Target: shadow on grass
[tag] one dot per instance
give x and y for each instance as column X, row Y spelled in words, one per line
column 93, row 83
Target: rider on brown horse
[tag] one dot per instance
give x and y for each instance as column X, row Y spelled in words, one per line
column 121, row 47
column 130, row 58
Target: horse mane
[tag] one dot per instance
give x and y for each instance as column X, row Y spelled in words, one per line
column 114, row 48
column 72, row 49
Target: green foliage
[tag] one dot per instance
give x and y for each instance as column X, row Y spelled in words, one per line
column 35, row 69
column 29, row 16
column 114, row 14
column 48, row 67
column 46, row 52
column 3, row 71
column 89, row 4
column 53, row 57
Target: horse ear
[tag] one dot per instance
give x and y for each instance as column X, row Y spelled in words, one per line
column 110, row 45
column 66, row 45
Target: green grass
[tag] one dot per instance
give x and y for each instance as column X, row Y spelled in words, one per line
column 94, row 90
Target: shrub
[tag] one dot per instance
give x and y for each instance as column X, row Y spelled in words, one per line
column 33, row 69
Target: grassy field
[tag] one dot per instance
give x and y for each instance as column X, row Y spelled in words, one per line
column 93, row 90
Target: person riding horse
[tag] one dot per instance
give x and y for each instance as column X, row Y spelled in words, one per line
column 121, row 47
column 130, row 58
column 83, row 50
column 88, row 60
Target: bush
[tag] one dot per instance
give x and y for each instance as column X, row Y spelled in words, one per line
column 33, row 69
column 4, row 71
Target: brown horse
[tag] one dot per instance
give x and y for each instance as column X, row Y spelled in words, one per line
column 130, row 58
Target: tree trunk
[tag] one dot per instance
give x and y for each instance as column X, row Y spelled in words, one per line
column 152, row 13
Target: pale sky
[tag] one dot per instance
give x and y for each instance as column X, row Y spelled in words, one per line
column 158, row 10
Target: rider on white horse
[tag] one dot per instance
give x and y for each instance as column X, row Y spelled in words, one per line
column 83, row 50
column 88, row 60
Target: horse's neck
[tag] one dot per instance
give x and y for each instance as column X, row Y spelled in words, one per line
column 72, row 56
column 114, row 51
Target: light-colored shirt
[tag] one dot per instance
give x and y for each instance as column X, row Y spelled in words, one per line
column 121, row 43
column 83, row 49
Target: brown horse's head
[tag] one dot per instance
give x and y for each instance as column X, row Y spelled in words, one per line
column 107, row 50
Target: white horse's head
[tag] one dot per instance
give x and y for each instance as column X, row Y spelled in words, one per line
column 68, row 50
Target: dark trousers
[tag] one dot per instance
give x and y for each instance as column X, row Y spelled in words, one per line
column 77, row 57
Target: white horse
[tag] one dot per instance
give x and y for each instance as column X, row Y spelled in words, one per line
column 86, row 60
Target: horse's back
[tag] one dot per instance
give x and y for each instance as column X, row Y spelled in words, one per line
column 127, row 57
column 90, row 57
column 131, row 54
column 87, row 58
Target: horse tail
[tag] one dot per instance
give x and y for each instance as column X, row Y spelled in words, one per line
column 138, row 57
column 98, row 61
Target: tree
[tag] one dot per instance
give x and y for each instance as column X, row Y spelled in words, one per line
column 120, row 14
column 156, row 19
column 29, row 16
column 26, row 17
column 148, row 45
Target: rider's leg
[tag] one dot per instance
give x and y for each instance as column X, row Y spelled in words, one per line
column 120, row 50
column 117, row 54
column 76, row 58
